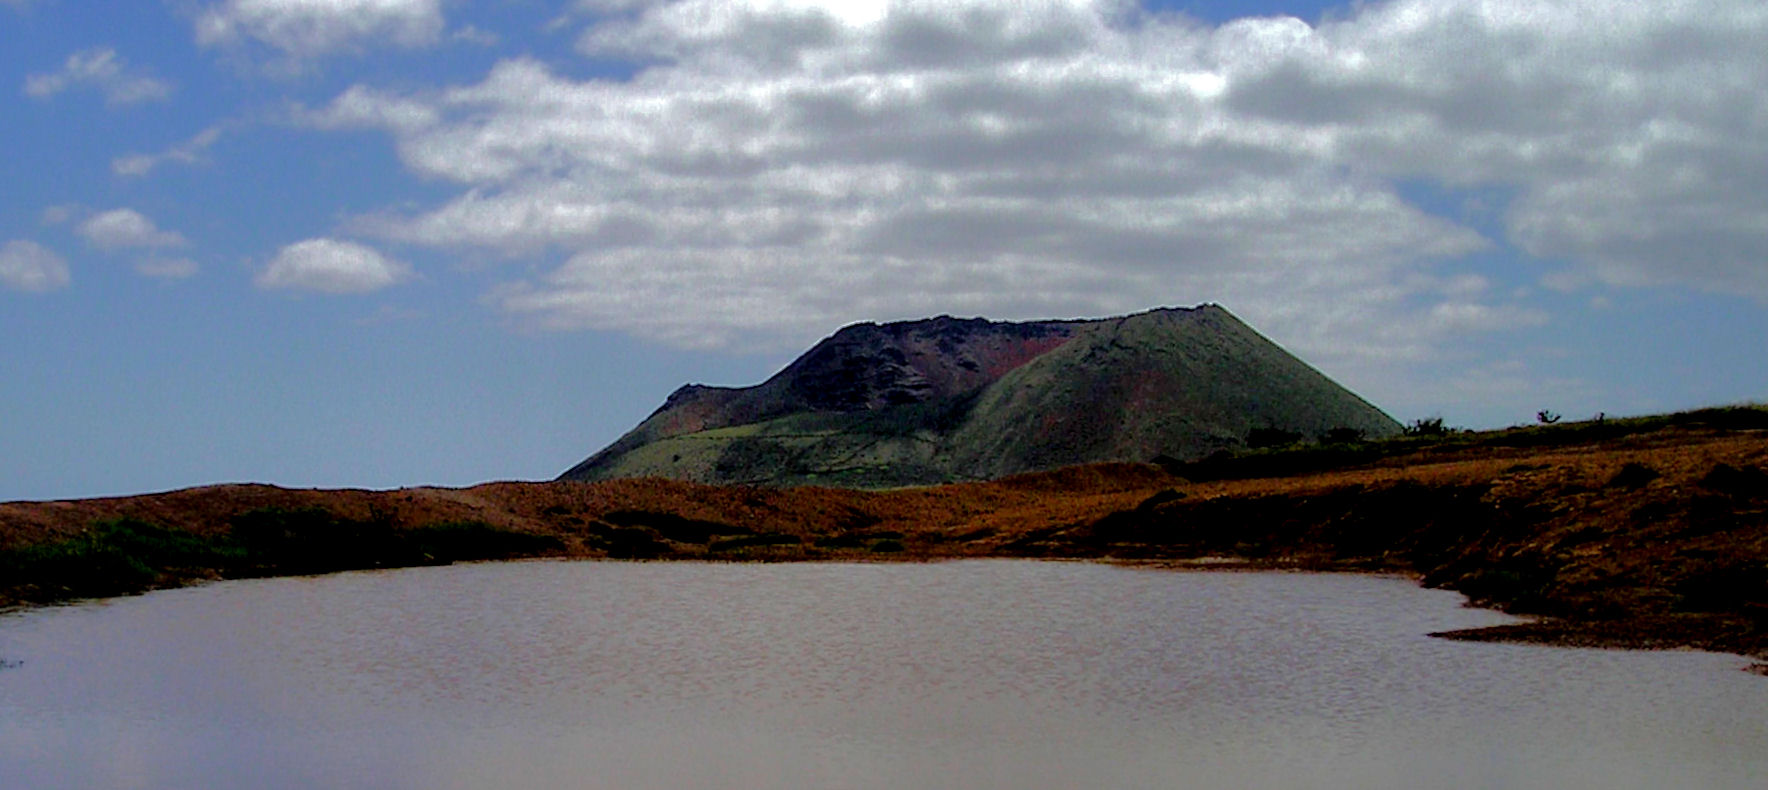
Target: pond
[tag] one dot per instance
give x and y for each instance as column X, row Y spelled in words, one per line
column 975, row 674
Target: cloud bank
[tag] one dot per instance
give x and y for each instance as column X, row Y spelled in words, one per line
column 775, row 168
column 304, row 29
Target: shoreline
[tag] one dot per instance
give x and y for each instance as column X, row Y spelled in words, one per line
column 1533, row 630
column 1649, row 541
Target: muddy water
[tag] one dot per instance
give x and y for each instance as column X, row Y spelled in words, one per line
column 989, row 674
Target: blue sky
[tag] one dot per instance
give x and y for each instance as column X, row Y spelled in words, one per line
column 377, row 243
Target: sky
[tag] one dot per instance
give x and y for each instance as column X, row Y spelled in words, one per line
column 383, row 243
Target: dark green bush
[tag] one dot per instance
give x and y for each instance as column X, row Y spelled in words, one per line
column 629, row 543
column 856, row 540
column 673, row 527
column 1722, row 586
column 1744, row 482
column 73, row 569
column 130, row 555
column 745, row 456
column 1260, row 438
column 1516, row 584
column 1426, row 426
column 112, row 558
column 847, row 541
column 758, row 539
column 313, row 540
column 1634, row 476
column 461, row 541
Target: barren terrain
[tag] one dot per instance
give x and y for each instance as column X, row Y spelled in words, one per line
column 1655, row 537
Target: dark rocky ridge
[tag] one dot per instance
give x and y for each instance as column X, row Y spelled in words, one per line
column 946, row 399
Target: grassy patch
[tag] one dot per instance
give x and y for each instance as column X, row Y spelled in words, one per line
column 862, row 540
column 670, row 526
column 627, row 543
column 129, row 555
column 112, row 558
column 313, row 540
column 752, row 541
column 462, row 541
column 1298, row 459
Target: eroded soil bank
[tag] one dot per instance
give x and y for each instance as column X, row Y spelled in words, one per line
column 1656, row 539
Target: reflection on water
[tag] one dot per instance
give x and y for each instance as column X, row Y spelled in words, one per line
column 987, row 674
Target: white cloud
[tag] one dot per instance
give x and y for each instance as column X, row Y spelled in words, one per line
column 305, row 29
column 126, row 228
column 780, row 167
column 331, row 266
column 189, row 152
column 104, row 71
column 365, row 108
column 1620, row 126
column 1476, row 317
column 613, row 6
column 31, row 267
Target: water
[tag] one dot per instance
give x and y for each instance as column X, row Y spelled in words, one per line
column 985, row 674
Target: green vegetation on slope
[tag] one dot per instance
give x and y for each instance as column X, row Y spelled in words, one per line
column 1179, row 384
column 1299, row 457
column 130, row 555
column 112, row 558
column 1175, row 383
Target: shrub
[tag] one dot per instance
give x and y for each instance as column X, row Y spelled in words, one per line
column 112, row 558
column 630, row 543
column 673, row 527
column 1633, row 476
column 1747, row 481
column 1723, row 586
column 847, row 541
column 1260, row 438
column 131, row 555
column 758, row 539
column 1426, row 426
column 459, row 541
column 1517, row 584
column 313, row 540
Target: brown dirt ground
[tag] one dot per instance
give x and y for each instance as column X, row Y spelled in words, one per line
column 1676, row 560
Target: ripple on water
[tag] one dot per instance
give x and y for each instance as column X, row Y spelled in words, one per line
column 966, row 674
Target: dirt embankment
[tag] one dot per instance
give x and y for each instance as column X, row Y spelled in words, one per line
column 1660, row 541
column 1652, row 540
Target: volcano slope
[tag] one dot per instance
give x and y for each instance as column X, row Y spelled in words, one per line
column 944, row 399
